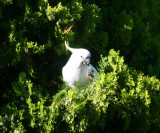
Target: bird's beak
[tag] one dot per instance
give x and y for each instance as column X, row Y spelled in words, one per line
column 86, row 61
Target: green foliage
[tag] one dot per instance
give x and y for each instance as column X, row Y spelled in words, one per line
column 119, row 96
column 119, row 99
column 132, row 27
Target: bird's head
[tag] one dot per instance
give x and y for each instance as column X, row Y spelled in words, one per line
column 80, row 55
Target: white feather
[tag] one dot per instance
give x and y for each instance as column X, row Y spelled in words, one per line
column 78, row 71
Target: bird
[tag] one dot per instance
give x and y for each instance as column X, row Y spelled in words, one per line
column 78, row 71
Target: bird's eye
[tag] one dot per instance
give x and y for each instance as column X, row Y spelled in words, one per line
column 81, row 56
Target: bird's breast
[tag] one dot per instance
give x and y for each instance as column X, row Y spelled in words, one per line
column 75, row 75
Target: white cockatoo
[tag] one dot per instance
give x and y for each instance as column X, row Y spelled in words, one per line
column 78, row 71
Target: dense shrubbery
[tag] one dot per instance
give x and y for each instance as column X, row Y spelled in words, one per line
column 32, row 53
column 118, row 97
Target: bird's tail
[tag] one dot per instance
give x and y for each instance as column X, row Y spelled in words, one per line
column 70, row 49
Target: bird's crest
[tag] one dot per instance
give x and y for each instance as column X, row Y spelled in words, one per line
column 70, row 49
column 78, row 51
